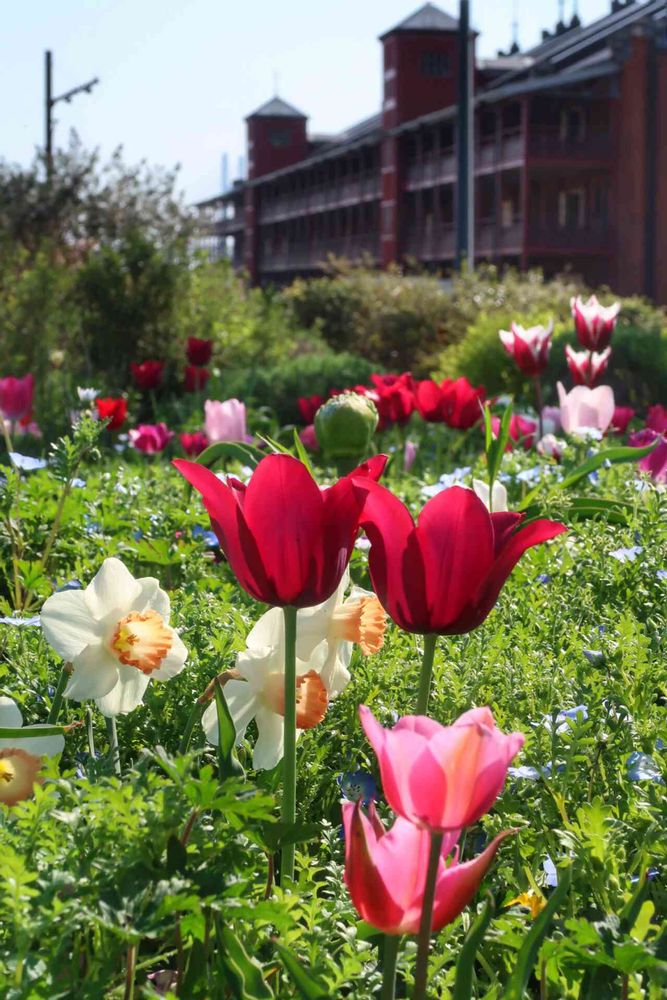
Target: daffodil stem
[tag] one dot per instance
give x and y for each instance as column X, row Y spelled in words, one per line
column 289, row 758
column 56, row 704
column 114, row 749
column 390, row 944
column 424, row 936
column 194, row 717
column 426, row 673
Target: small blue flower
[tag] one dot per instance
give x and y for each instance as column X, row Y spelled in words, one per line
column 550, row 872
column 447, row 480
column 137, row 535
column 358, row 785
column 26, row 462
column 593, row 477
column 650, row 875
column 627, row 555
column 70, row 585
column 21, row 622
column 530, row 475
column 525, row 771
column 594, row 656
column 659, row 744
column 78, row 484
column 641, row 767
column 563, row 721
column 662, row 574
column 209, row 538
column 544, row 578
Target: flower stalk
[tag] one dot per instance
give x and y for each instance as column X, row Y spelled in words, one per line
column 114, row 749
column 289, row 759
column 390, row 945
column 424, row 936
column 426, row 673
column 56, row 704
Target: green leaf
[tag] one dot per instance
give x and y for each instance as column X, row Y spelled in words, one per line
column 307, row 984
column 246, row 970
column 301, row 452
column 238, row 451
column 29, row 733
column 466, row 962
column 612, row 455
column 525, row 960
column 228, row 764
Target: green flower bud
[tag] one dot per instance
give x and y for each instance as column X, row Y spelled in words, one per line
column 345, row 424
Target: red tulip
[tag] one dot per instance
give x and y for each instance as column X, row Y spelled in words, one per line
column 385, row 872
column 193, row 444
column 199, row 351
column 150, row 438
column 147, row 375
column 522, row 431
column 287, row 541
column 195, row 378
column 428, row 400
column 444, row 574
column 395, row 400
column 461, row 403
column 308, row 407
column 16, row 396
column 529, row 348
column 443, row 778
column 621, row 418
column 587, row 367
column 656, row 419
column 594, row 324
column 387, row 381
column 113, row 409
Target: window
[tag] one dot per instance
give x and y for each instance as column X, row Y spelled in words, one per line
column 280, row 137
column 571, row 209
column 572, row 124
column 507, row 213
column 434, row 64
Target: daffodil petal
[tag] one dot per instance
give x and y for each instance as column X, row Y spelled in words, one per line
column 173, row 662
column 95, row 673
column 40, row 746
column 152, row 596
column 68, row 623
column 10, row 714
column 126, row 695
column 112, row 587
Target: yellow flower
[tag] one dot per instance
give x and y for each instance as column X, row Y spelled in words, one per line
column 532, row 901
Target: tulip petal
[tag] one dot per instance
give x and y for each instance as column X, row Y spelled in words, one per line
column 364, row 881
column 458, row 883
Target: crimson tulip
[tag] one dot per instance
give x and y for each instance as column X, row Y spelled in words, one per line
column 150, row 438
column 195, row 378
column 587, row 367
column 656, row 419
column 16, row 397
column 199, row 351
column 395, row 399
column 521, row 431
column 385, row 872
column 428, row 400
column 655, row 463
column 147, row 375
column 621, row 418
column 529, row 348
column 308, row 407
column 287, row 541
column 444, row 574
column 593, row 322
column 461, row 403
column 193, row 444
column 113, row 409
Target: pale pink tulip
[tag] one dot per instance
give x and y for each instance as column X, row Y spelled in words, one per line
column 593, row 322
column 385, row 872
column 442, row 777
column 583, row 408
column 225, row 421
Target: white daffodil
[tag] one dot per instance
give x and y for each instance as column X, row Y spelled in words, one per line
column 498, row 496
column 21, row 759
column 117, row 636
column 325, row 635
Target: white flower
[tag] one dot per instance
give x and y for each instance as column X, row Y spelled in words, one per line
column 87, row 395
column 498, row 496
column 325, row 635
column 117, row 636
column 41, row 746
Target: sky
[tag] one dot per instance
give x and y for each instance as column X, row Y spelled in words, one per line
column 177, row 77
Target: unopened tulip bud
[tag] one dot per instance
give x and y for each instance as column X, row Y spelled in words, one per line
column 345, row 425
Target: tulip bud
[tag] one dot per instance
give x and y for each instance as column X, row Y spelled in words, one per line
column 345, row 425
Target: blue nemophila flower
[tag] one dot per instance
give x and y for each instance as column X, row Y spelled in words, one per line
column 20, row 622
column 594, row 477
column 447, row 480
column 650, row 875
column 70, row 585
column 137, row 535
column 525, row 771
column 358, row 786
column 544, row 578
column 659, row 744
column 209, row 538
column 26, row 463
column 550, row 872
column 565, row 719
column 78, row 483
column 530, row 476
column 662, row 574
column 594, row 656
column 641, row 767
column 627, row 554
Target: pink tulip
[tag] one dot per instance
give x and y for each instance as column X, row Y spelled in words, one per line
column 587, row 367
column 583, row 408
column 551, row 419
column 225, row 421
column 522, row 431
column 655, row 463
column 16, row 396
column 308, row 438
column 550, row 447
column 150, row 438
column 593, row 322
column 385, row 872
column 529, row 348
column 442, row 777
column 409, row 455
column 656, row 419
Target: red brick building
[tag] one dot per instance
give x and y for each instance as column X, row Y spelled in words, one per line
column 570, row 160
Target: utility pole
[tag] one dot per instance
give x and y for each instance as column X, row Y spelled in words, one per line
column 465, row 181
column 50, row 102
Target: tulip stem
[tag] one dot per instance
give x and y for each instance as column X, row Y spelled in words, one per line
column 424, row 936
column 426, row 673
column 390, row 944
column 194, row 717
column 289, row 758
column 114, row 749
column 538, row 400
column 56, row 704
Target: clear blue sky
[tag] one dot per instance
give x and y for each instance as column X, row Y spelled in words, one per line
column 178, row 76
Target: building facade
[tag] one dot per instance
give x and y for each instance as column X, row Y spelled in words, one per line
column 570, row 161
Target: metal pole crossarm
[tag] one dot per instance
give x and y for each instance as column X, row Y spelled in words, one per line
column 76, row 90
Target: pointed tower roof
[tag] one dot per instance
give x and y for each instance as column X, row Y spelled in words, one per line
column 427, row 18
column 277, row 108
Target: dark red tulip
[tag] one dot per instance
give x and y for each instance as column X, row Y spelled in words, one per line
column 461, row 403
column 195, row 378
column 308, row 407
column 16, row 397
column 529, row 348
column 428, row 400
column 287, row 541
column 621, row 418
column 113, row 409
column 147, row 375
column 199, row 351
column 656, row 419
column 444, row 574
column 193, row 444
column 395, row 400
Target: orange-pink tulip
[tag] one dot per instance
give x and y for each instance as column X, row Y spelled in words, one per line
column 442, row 777
column 385, row 872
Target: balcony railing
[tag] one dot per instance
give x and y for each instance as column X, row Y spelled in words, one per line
column 311, row 254
column 549, row 144
column 431, row 170
column 430, row 242
column 320, row 198
column 570, row 239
